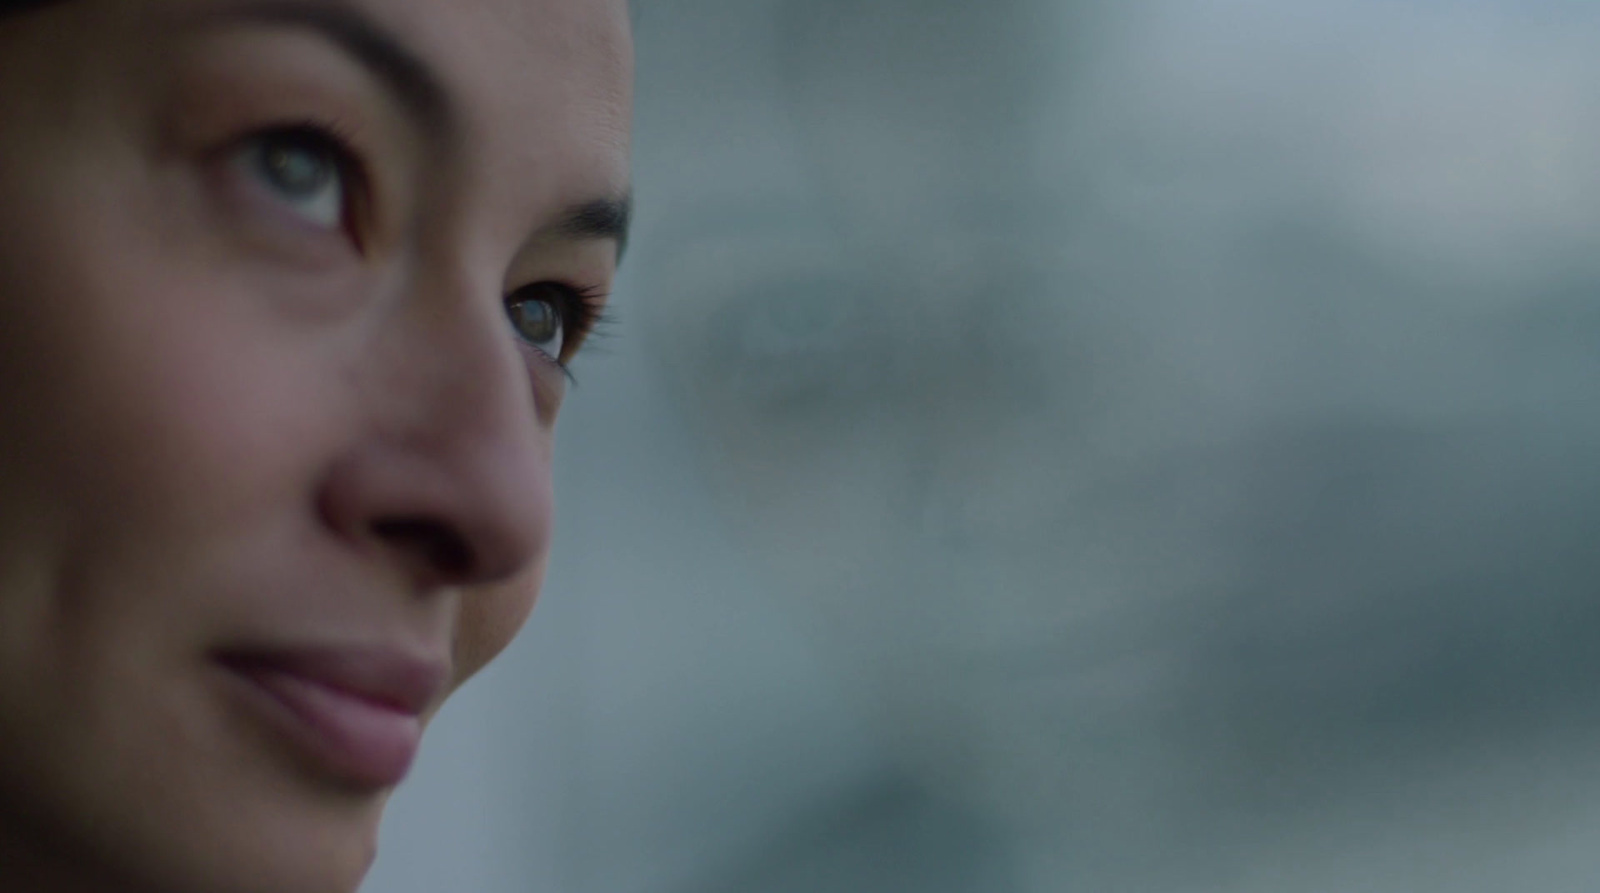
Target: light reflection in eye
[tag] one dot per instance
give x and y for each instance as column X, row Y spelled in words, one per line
column 305, row 168
column 536, row 314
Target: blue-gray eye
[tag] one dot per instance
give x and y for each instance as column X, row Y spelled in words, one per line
column 304, row 168
column 536, row 315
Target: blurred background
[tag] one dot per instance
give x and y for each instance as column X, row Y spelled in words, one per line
column 1070, row 445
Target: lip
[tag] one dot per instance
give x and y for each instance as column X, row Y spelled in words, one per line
column 354, row 713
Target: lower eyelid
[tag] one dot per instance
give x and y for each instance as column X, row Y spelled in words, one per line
column 541, row 366
column 248, row 214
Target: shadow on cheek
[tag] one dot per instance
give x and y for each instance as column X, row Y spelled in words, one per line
column 490, row 619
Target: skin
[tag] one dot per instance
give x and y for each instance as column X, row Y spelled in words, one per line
column 1178, row 416
column 231, row 419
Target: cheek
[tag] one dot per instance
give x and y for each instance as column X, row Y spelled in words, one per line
column 490, row 618
column 133, row 370
column 203, row 414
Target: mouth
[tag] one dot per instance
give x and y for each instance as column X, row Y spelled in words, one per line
column 355, row 714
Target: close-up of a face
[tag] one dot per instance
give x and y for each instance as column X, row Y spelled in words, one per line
column 288, row 289
column 1177, row 417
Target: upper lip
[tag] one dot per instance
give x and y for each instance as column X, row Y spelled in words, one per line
column 391, row 677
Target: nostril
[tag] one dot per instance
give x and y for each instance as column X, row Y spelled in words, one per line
column 439, row 547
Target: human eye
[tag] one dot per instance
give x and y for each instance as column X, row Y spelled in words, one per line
column 304, row 167
column 553, row 318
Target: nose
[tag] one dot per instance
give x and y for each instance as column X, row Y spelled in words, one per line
column 446, row 474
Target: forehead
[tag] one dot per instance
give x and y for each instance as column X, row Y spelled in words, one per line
column 527, row 73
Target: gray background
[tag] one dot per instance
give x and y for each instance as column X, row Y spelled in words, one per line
column 1046, row 445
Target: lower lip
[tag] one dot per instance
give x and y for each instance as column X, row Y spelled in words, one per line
column 358, row 741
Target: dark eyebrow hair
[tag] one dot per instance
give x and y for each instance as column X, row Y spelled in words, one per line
column 602, row 218
column 399, row 68
column 418, row 88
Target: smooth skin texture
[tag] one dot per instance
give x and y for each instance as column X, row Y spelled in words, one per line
column 260, row 390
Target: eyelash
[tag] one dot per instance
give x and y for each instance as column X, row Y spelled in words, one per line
column 583, row 313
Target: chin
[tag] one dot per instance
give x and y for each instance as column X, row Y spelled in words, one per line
column 213, row 826
column 304, row 853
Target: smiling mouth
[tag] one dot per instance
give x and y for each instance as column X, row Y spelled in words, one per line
column 355, row 715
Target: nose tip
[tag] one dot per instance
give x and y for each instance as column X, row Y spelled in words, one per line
column 440, row 522
column 445, row 469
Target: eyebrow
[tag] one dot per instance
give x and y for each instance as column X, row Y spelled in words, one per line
column 599, row 219
column 385, row 56
column 419, row 90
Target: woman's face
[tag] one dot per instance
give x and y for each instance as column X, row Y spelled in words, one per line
column 286, row 290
